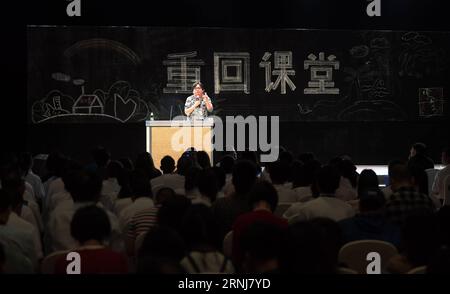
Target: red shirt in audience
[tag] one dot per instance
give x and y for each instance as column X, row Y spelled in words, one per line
column 100, row 260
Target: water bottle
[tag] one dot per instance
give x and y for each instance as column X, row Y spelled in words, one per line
column 151, row 116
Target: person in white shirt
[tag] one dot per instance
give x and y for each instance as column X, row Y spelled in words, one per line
column 111, row 186
column 85, row 190
column 141, row 191
column 168, row 179
column 227, row 163
column 26, row 164
column 303, row 177
column 279, row 172
column 17, row 234
column 14, row 186
column 438, row 188
column 207, row 186
column 326, row 205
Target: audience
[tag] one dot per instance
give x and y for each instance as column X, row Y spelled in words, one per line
column 226, row 210
column 161, row 252
column 175, row 221
column 263, row 199
column 169, row 178
column 438, row 188
column 370, row 222
column 326, row 205
column 279, row 172
column 142, row 197
column 199, row 232
column 84, row 187
column 405, row 200
column 311, row 247
column 419, row 243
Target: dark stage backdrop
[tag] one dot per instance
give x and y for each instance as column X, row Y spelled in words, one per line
column 365, row 93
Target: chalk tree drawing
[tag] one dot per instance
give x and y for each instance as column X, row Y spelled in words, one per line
column 419, row 57
column 231, row 72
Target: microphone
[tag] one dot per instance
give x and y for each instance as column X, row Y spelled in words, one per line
column 170, row 115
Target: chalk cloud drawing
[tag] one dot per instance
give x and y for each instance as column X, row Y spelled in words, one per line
column 419, row 57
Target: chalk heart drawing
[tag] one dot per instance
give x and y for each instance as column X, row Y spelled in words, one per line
column 123, row 110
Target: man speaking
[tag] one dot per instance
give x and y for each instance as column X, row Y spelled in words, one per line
column 198, row 104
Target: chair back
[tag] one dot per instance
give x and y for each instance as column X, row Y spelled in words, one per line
column 354, row 254
column 49, row 262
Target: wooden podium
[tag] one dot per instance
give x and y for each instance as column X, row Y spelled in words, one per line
column 173, row 137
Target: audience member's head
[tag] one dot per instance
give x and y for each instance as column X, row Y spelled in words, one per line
column 243, row 176
column 227, row 163
column 399, row 176
column 371, row 200
column 332, row 235
column 101, row 156
column 171, row 211
column 144, row 161
column 207, row 184
column 279, row 172
column 261, row 244
column 263, row 194
column 14, row 185
column 162, row 241
column 164, row 194
column 307, row 249
column 418, row 149
column 203, row 159
column 167, row 164
column 184, row 163
column 419, row 179
column 419, row 238
column 220, row 176
column 124, row 182
column 140, row 184
column 299, row 174
column 90, row 223
column 127, row 163
column 83, row 186
column 114, row 169
column 25, row 162
column 327, row 180
column 368, row 179
column 191, row 178
column 347, row 169
column 199, row 229
column 56, row 164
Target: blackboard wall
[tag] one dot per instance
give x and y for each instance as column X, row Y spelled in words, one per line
column 368, row 140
